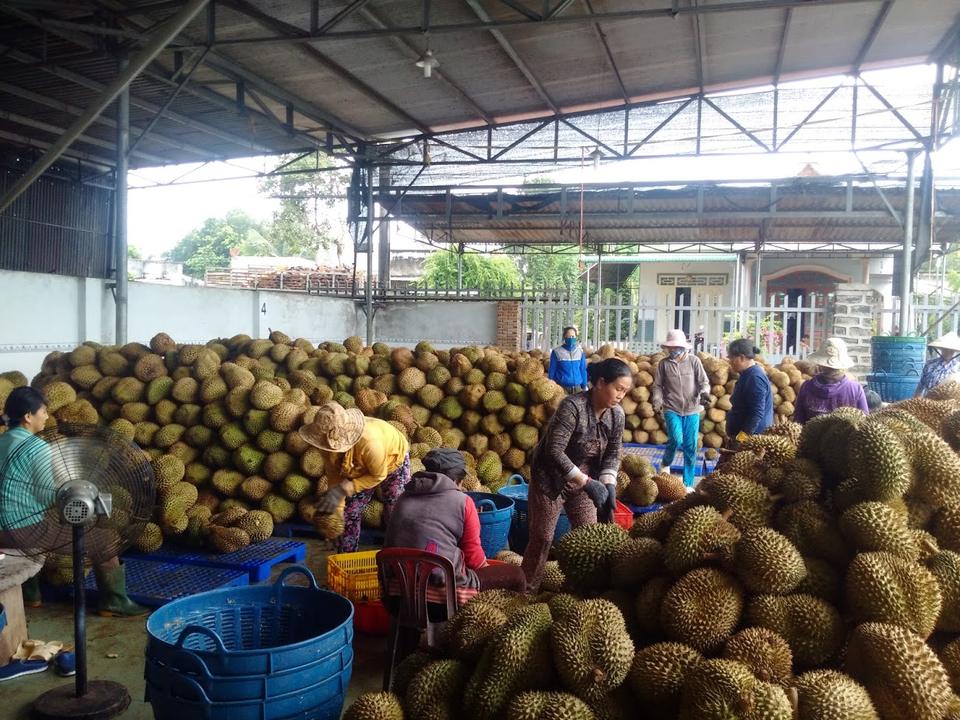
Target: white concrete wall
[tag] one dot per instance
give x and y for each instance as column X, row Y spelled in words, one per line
column 54, row 312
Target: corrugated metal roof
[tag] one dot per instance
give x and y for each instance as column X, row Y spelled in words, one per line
column 794, row 216
column 360, row 76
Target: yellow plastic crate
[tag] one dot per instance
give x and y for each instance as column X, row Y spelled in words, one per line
column 354, row 575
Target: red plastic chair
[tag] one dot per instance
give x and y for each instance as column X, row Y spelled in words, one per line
column 412, row 569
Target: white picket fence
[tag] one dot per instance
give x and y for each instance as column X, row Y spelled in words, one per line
column 779, row 330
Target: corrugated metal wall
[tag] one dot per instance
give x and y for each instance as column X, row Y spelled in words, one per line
column 57, row 226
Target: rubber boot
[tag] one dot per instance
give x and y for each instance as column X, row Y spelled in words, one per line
column 112, row 592
column 31, row 592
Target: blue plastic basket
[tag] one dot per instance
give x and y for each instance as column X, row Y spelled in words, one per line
column 895, row 355
column 240, row 687
column 157, row 583
column 496, row 514
column 254, row 630
column 516, row 490
column 893, row 388
column 256, row 559
column 322, row 700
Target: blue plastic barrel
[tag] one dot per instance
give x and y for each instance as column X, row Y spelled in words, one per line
column 262, row 652
column 496, row 514
column 516, row 489
column 892, row 355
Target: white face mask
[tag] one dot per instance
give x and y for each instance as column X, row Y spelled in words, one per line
column 676, row 352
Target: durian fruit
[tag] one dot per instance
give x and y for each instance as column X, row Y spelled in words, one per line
column 765, row 653
column 812, row 627
column 553, row 577
column 524, row 642
column 937, row 471
column 533, row 705
column 372, row 516
column 766, row 562
column 901, row 672
column 657, row 676
column 699, row 534
column 702, row 609
column 592, row 649
column 881, row 587
column 875, row 526
column 832, row 695
column 435, row 691
column 718, row 689
column 633, row 563
column 778, row 450
column 150, row 539
column 375, row 706
column 585, row 554
column 473, row 626
column 228, row 539
column 330, row 526
column 879, row 462
column 257, row 524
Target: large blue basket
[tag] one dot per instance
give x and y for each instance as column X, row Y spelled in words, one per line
column 519, row 529
column 254, row 630
column 496, row 514
column 894, row 355
column 893, row 388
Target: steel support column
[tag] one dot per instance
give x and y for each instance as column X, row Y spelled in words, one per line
column 158, row 42
column 907, row 268
column 383, row 272
column 368, row 289
column 120, row 210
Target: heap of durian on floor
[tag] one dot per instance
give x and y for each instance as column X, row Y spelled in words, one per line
column 815, row 576
column 220, row 420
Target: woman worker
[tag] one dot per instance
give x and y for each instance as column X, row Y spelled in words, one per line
column 681, row 391
column 25, row 459
column 359, row 454
column 434, row 515
column 568, row 363
column 831, row 387
column 942, row 366
column 574, row 466
column 751, row 410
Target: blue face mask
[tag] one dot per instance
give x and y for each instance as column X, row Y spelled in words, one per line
column 676, row 352
column 570, row 343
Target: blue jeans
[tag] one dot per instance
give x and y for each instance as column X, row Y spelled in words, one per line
column 682, row 433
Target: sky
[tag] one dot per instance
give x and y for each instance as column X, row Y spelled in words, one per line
column 160, row 216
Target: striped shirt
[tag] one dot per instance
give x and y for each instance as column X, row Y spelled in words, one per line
column 26, row 479
column 937, row 371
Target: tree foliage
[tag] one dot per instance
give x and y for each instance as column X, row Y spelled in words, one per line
column 300, row 226
column 480, row 272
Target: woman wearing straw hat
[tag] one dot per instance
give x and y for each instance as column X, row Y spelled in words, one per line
column 943, row 366
column 359, row 454
column 831, row 387
column 681, row 391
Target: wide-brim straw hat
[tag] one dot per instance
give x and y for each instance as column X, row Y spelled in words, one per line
column 335, row 428
column 950, row 341
column 832, row 354
column 676, row 339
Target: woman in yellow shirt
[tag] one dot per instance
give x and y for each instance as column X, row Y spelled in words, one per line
column 359, row 454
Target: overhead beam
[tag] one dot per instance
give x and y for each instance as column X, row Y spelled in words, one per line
column 950, row 37
column 104, row 120
column 558, row 10
column 298, row 35
column 413, row 53
column 34, row 124
column 83, row 81
column 167, row 32
column 341, row 16
column 512, row 54
column 102, row 162
column 602, row 38
column 872, row 35
column 698, row 45
column 522, row 9
column 782, row 46
column 506, row 22
column 251, row 79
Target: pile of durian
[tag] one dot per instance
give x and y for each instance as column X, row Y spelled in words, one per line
column 220, row 420
column 814, row 576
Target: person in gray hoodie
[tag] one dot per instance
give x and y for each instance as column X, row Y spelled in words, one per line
column 434, row 515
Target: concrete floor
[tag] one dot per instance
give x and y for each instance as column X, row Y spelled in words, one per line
column 126, row 638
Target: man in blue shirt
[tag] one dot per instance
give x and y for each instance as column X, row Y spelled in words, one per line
column 751, row 410
column 568, row 363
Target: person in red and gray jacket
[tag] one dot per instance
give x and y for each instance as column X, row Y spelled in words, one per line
column 434, row 515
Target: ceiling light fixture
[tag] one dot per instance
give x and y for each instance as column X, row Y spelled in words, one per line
column 596, row 156
column 427, row 61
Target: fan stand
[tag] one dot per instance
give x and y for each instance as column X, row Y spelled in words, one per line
column 93, row 700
